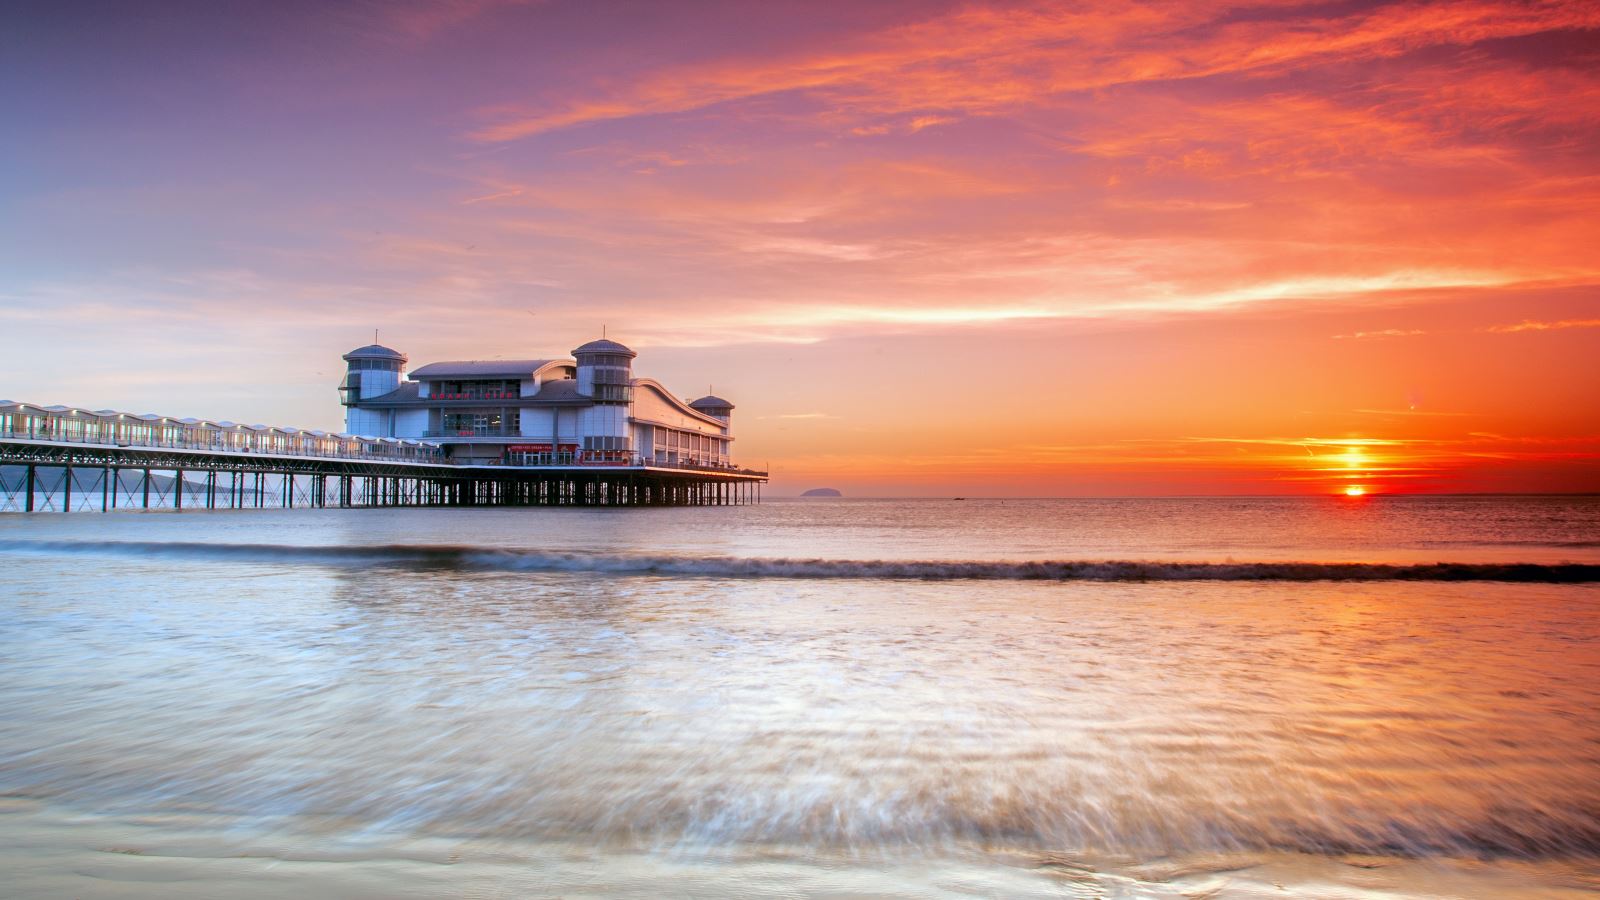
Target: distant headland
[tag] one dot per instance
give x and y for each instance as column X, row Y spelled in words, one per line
column 822, row 492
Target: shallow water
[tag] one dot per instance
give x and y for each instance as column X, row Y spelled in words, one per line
column 757, row 700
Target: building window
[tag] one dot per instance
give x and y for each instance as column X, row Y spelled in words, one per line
column 496, row 389
column 475, row 424
column 350, row 389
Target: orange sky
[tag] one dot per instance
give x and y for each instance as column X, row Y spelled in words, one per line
column 927, row 248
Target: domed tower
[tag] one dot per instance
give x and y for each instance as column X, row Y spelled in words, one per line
column 721, row 410
column 605, row 371
column 371, row 371
column 714, row 406
column 605, row 374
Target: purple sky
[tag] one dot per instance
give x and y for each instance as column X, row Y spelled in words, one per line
column 925, row 247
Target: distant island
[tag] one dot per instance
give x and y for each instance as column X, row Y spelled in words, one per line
column 822, row 492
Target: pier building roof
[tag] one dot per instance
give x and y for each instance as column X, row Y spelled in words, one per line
column 482, row 368
column 561, row 389
column 710, row 401
column 604, row 346
column 556, row 390
column 375, row 351
column 408, row 390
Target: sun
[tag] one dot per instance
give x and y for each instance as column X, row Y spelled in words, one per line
column 1354, row 491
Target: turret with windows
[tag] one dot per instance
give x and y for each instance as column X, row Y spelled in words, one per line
column 713, row 406
column 371, row 371
column 605, row 371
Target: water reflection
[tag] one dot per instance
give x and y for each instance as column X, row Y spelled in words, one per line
column 1066, row 724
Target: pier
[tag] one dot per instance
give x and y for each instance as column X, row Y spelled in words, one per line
column 63, row 459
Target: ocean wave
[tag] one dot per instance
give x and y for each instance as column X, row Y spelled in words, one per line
column 461, row 557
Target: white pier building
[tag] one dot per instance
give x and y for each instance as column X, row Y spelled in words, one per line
column 588, row 410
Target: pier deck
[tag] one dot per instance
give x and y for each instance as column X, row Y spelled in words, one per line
column 38, row 474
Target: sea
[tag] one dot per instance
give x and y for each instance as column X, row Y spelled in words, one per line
column 1323, row 697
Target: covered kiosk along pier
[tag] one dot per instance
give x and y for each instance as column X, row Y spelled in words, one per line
column 67, row 459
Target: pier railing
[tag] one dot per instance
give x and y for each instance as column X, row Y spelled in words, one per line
column 111, row 429
column 601, row 459
column 60, row 458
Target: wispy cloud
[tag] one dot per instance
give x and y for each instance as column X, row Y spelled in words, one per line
column 1530, row 325
column 1384, row 333
column 498, row 195
column 1412, row 412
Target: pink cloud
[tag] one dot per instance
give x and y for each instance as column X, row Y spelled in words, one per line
column 983, row 60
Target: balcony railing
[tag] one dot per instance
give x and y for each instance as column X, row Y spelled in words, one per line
column 472, row 433
column 474, row 395
column 601, row 459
